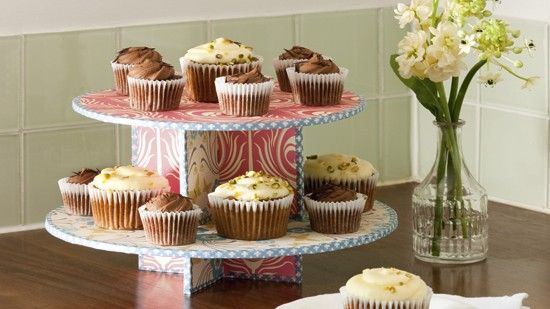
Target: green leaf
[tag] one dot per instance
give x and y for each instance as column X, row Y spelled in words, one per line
column 424, row 89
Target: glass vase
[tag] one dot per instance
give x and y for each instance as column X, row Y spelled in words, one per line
column 450, row 206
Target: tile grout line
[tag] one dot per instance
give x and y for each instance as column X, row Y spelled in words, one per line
column 21, row 133
column 477, row 133
column 209, row 30
column 547, row 98
column 380, row 91
column 297, row 27
column 118, row 43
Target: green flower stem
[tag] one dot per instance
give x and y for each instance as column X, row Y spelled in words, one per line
column 438, row 211
column 452, row 95
column 457, row 105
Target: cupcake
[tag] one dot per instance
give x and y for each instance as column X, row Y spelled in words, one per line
column 170, row 220
column 317, row 81
column 203, row 64
column 385, row 288
column 74, row 192
column 252, row 207
column 244, row 94
column 288, row 59
column 343, row 170
column 117, row 193
column 334, row 210
column 127, row 58
column 154, row 86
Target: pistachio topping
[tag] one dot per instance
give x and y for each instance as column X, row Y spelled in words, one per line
column 255, row 186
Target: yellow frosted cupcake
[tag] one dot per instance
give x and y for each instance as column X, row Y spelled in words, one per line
column 385, row 288
column 117, row 193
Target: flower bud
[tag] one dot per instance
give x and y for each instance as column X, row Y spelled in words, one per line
column 516, row 33
column 517, row 50
column 518, row 64
column 487, row 13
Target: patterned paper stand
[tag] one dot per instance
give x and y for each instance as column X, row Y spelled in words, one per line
column 196, row 147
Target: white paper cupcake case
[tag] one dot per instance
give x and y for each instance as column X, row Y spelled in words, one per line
column 280, row 69
column 250, row 220
column 351, row 302
column 317, row 89
column 335, row 217
column 118, row 210
column 200, row 77
column 244, row 99
column 120, row 72
column 155, row 95
column 75, row 197
column 174, row 228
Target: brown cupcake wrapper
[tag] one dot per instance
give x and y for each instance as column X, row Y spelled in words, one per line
column 317, row 89
column 200, row 77
column 254, row 220
column 245, row 100
column 175, row 228
column 76, row 199
column 120, row 72
column 155, row 95
column 364, row 186
column 351, row 302
column 118, row 210
column 280, row 70
column 335, row 217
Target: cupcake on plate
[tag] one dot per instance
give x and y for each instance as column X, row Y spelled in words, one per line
column 203, row 64
column 334, row 210
column 252, row 207
column 317, row 81
column 288, row 59
column 170, row 220
column 244, row 94
column 117, row 193
column 74, row 192
column 127, row 58
column 385, row 288
column 343, row 170
column 154, row 86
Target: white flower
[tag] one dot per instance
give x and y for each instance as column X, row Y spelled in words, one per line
column 412, row 49
column 418, row 12
column 489, row 78
column 530, row 46
column 530, row 82
column 443, row 58
column 466, row 43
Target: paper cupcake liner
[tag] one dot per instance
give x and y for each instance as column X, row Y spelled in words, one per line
column 252, row 220
column 75, row 197
column 170, row 228
column 118, row 210
column 280, row 69
column 120, row 72
column 317, row 89
column 200, row 77
column 155, row 95
column 365, row 186
column 335, row 217
column 351, row 302
column 244, row 99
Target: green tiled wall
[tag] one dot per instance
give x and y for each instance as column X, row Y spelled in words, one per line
column 42, row 139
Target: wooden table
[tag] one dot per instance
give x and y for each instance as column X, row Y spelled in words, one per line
column 38, row 270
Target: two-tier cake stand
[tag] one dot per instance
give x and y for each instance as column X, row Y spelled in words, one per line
column 196, row 148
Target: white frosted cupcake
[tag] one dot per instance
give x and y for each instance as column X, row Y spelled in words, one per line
column 222, row 57
column 117, row 193
column 126, row 59
column 74, row 192
column 252, row 207
column 385, row 288
column 343, row 170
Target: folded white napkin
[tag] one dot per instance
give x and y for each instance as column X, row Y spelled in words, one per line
column 439, row 301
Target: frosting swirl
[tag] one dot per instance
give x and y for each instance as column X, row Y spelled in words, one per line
column 220, row 51
column 317, row 65
column 169, row 202
column 254, row 186
column 137, row 55
column 333, row 193
column 152, row 70
column 83, row 177
column 296, row 52
column 386, row 284
column 129, row 178
column 252, row 77
column 337, row 166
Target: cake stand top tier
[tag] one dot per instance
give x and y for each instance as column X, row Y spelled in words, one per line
column 107, row 106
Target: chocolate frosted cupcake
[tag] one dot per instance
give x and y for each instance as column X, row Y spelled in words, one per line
column 154, row 86
column 252, row 207
column 343, row 170
column 317, row 81
column 334, row 210
column 244, row 94
column 127, row 58
column 74, row 192
column 170, row 220
column 203, row 64
column 288, row 59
